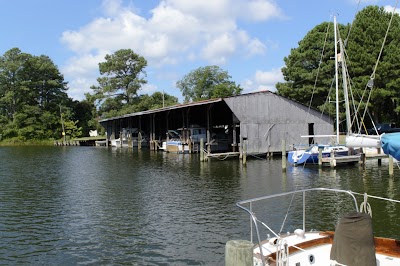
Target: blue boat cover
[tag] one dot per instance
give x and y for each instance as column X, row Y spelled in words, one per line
column 391, row 144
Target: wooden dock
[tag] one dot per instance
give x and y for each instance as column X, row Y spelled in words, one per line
column 359, row 158
column 223, row 156
column 333, row 161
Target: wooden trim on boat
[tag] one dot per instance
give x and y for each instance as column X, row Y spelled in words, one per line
column 385, row 246
column 327, row 239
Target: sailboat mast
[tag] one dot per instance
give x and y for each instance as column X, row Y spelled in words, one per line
column 345, row 91
column 336, row 81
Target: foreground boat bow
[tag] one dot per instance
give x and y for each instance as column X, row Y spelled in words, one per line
column 352, row 243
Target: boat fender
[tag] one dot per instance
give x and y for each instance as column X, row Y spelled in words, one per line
column 300, row 233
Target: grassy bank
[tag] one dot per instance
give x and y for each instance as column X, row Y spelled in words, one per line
column 15, row 142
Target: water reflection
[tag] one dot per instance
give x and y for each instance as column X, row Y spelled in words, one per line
column 87, row 205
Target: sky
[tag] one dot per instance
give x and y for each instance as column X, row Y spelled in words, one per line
column 247, row 38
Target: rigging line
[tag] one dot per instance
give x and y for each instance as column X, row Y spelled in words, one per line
column 350, row 88
column 356, row 109
column 319, row 67
column 351, row 25
column 384, row 41
column 372, row 77
column 290, row 205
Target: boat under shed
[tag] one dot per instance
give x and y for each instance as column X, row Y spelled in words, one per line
column 261, row 121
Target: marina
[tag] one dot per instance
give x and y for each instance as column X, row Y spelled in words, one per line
column 96, row 205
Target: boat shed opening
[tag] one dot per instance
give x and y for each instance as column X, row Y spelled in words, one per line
column 258, row 121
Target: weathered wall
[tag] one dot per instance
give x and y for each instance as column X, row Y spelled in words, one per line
column 266, row 119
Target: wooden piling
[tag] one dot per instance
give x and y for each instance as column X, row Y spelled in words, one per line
column 390, row 165
column 139, row 141
column 379, row 160
column 333, row 161
column 244, row 159
column 319, row 157
column 238, row 253
column 201, row 150
column 283, row 155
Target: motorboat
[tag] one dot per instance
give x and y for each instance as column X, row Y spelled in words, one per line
column 351, row 242
column 134, row 135
column 310, row 155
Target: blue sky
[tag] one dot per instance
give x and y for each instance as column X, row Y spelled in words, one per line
column 247, row 38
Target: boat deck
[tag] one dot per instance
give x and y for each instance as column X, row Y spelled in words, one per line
column 315, row 247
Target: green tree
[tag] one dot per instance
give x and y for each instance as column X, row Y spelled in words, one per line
column 314, row 56
column 12, row 85
column 122, row 75
column 85, row 114
column 207, row 83
column 362, row 49
column 31, row 87
column 155, row 101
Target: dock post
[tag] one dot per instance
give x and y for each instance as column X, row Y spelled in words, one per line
column 201, row 150
column 238, row 253
column 390, row 165
column 320, row 157
column 333, row 160
column 362, row 159
column 244, row 159
column 241, row 148
column 139, row 141
column 379, row 160
column 283, row 155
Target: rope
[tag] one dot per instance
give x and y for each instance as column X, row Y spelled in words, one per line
column 335, row 263
column 282, row 253
column 365, row 206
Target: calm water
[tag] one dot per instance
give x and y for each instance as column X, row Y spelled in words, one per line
column 92, row 205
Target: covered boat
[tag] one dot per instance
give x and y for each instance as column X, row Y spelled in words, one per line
column 391, row 144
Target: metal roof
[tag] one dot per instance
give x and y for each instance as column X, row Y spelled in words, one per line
column 168, row 108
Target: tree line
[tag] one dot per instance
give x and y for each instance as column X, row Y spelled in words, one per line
column 34, row 104
column 309, row 69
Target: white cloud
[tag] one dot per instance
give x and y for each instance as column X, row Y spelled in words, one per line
column 390, row 9
column 148, row 89
column 263, row 80
column 177, row 32
column 219, row 49
column 260, row 10
column 256, row 47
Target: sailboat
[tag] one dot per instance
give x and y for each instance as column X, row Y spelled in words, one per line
column 389, row 142
column 351, row 242
column 310, row 155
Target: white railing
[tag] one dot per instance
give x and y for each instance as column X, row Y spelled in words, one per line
column 254, row 221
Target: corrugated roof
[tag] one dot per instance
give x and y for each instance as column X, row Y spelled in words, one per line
column 185, row 105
